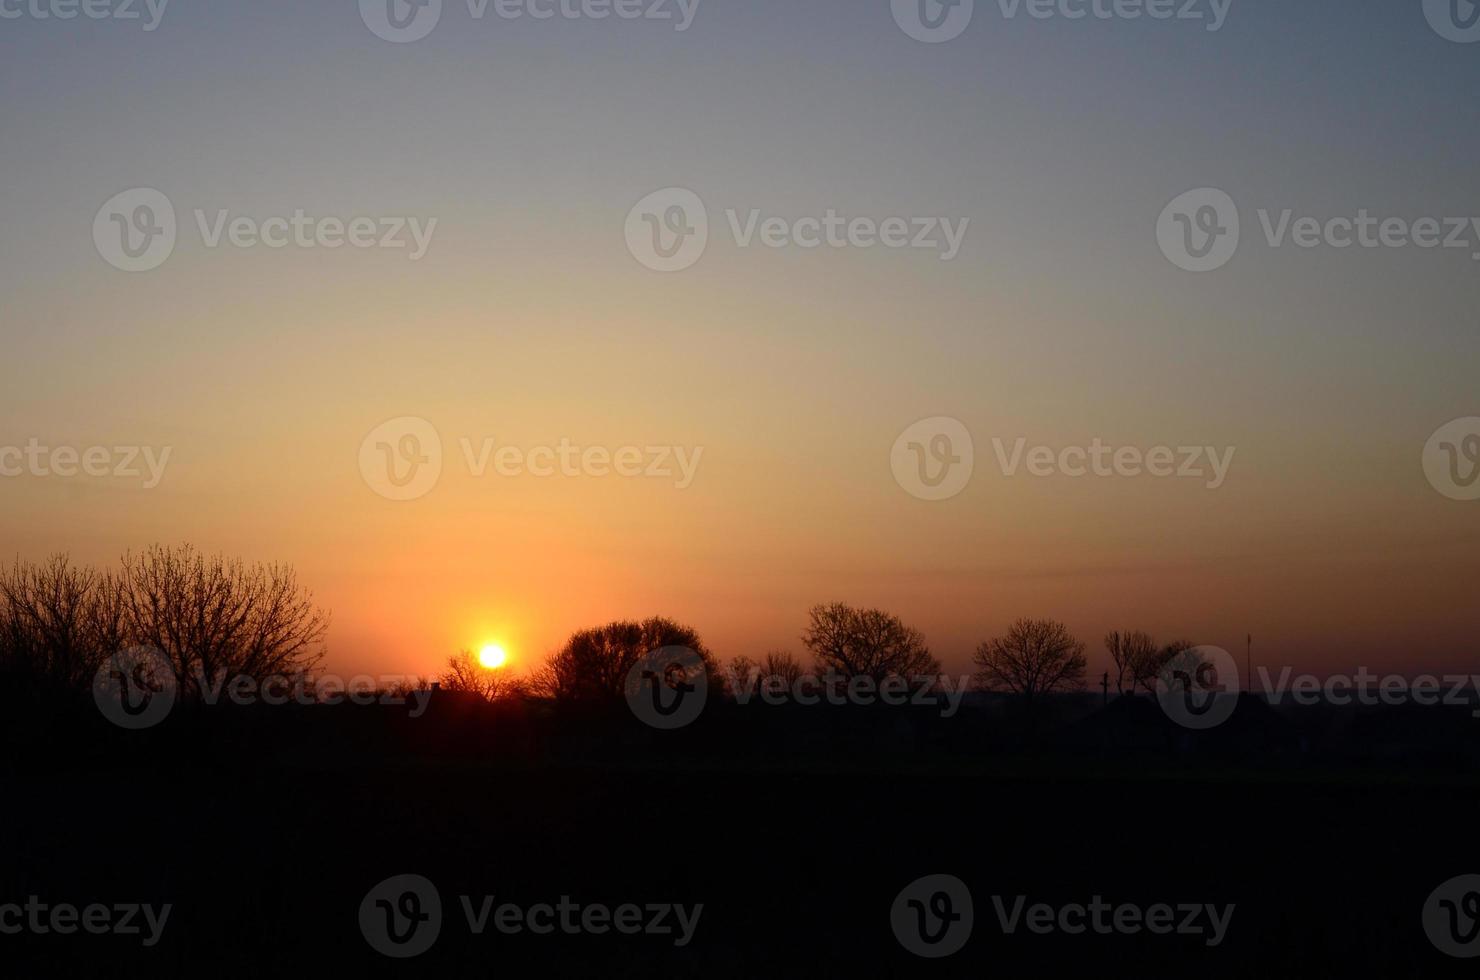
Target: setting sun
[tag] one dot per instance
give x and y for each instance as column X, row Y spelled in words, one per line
column 492, row 656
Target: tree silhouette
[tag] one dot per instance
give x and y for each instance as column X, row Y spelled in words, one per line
column 779, row 669
column 212, row 618
column 1034, row 657
column 783, row 666
column 1177, row 656
column 593, row 664
column 866, row 643
column 741, row 672
column 466, row 675
column 1133, row 653
column 58, row 624
column 216, row 618
column 1149, row 666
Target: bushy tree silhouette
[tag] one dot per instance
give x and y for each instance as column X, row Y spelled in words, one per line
column 593, row 664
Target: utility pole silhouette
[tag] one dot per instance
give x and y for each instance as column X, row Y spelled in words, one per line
column 1248, row 672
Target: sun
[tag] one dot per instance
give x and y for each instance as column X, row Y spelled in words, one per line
column 492, row 656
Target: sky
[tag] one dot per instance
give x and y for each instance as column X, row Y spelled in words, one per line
column 785, row 374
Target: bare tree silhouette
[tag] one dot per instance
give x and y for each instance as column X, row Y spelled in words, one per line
column 780, row 669
column 1132, row 653
column 741, row 672
column 213, row 618
column 1149, row 666
column 866, row 642
column 593, row 664
column 1034, row 657
column 783, row 666
column 58, row 624
column 466, row 675
column 217, row 618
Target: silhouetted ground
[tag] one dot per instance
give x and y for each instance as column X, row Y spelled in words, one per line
column 795, row 827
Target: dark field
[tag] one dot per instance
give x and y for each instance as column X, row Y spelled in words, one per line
column 265, row 828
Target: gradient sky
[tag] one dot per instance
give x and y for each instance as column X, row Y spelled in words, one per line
column 528, row 321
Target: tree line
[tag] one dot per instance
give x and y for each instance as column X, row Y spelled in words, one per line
column 1031, row 659
column 214, row 617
